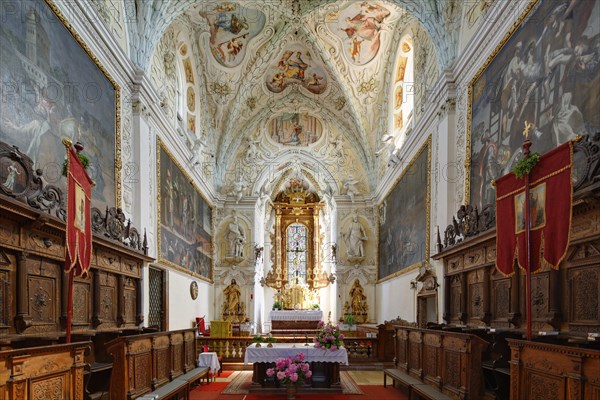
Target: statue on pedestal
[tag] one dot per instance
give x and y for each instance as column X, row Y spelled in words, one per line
column 233, row 308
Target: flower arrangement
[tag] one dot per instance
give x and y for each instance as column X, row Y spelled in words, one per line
column 270, row 340
column 278, row 305
column 290, row 371
column 329, row 337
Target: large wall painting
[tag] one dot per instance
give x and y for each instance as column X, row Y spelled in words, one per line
column 295, row 129
column 52, row 87
column 232, row 27
column 546, row 72
column 185, row 219
column 404, row 219
column 296, row 66
column 359, row 26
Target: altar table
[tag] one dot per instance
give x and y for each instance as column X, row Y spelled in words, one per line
column 296, row 315
column 324, row 364
column 300, row 321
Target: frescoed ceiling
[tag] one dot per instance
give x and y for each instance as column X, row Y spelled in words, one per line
column 274, row 76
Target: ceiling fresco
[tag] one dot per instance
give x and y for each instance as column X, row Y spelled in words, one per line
column 288, row 74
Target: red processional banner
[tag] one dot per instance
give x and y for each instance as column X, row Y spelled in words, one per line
column 79, row 222
column 550, row 198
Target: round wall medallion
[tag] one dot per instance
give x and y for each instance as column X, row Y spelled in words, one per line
column 194, row 290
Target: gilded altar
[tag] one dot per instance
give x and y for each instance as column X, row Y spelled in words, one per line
column 298, row 297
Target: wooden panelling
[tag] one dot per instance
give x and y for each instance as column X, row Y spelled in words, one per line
column 43, row 373
column 547, row 371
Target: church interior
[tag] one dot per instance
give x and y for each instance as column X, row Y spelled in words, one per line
column 368, row 235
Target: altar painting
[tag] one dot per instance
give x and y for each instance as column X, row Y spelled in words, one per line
column 185, row 219
column 295, row 129
column 404, row 219
column 296, row 66
column 359, row 26
column 545, row 72
column 47, row 96
column 232, row 27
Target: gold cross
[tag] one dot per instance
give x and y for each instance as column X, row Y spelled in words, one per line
column 528, row 126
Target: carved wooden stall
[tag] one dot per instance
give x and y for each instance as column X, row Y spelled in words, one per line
column 565, row 302
column 432, row 362
column 43, row 373
column 143, row 363
column 33, row 289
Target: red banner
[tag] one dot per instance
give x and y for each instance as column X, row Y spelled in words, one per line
column 79, row 221
column 550, row 199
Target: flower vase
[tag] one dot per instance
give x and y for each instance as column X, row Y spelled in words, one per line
column 270, row 345
column 257, row 345
column 291, row 392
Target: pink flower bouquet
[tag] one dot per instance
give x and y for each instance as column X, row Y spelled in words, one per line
column 329, row 337
column 291, row 370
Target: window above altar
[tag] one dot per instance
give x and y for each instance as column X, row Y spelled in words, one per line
column 296, row 235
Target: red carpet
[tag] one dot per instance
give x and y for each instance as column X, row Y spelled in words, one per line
column 213, row 390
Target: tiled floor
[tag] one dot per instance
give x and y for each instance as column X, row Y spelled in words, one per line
column 367, row 377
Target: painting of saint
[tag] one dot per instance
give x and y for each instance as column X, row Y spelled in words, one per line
column 47, row 96
column 294, row 129
column 185, row 228
column 545, row 74
column 359, row 26
column 232, row 27
column 537, row 209
column 296, row 66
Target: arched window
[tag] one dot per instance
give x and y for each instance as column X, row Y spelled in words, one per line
column 403, row 95
column 296, row 235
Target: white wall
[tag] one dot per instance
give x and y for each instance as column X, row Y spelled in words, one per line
column 182, row 309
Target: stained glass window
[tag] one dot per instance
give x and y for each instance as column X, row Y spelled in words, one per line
column 296, row 253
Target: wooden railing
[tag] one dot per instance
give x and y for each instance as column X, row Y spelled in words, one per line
column 233, row 349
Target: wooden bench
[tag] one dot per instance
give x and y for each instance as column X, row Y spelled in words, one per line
column 400, row 377
column 179, row 386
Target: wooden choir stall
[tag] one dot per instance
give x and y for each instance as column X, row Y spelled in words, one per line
column 561, row 362
column 33, row 286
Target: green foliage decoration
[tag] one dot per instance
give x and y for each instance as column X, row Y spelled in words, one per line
column 525, row 166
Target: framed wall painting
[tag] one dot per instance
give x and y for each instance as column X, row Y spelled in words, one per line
column 404, row 219
column 54, row 87
column 185, row 222
column 546, row 71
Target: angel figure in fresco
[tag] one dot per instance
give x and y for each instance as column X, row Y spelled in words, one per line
column 365, row 25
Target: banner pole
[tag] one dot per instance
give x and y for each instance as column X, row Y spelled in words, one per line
column 70, row 306
column 527, row 217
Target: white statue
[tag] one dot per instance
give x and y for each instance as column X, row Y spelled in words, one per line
column 236, row 238
column 252, row 152
column 197, row 151
column 239, row 185
column 354, row 238
column 350, row 185
column 390, row 148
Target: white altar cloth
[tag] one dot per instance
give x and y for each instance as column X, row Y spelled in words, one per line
column 282, row 350
column 296, row 315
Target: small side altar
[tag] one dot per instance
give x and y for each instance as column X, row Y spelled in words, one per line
column 324, row 364
column 295, row 320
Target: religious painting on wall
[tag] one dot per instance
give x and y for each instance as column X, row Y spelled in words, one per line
column 359, row 27
column 185, row 219
column 296, row 66
column 232, row 27
column 546, row 72
column 52, row 88
column 404, row 219
column 295, row 129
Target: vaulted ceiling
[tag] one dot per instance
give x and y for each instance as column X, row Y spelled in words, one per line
column 260, row 70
